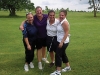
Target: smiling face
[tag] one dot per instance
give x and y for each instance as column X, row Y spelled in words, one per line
column 39, row 11
column 30, row 18
column 62, row 15
column 51, row 16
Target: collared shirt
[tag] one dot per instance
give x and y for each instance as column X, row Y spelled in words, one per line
column 52, row 29
column 60, row 32
column 41, row 26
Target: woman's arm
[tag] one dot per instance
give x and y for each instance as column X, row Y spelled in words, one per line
column 21, row 26
column 66, row 30
column 27, row 43
column 25, row 36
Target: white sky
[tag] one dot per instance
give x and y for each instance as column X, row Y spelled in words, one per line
column 71, row 4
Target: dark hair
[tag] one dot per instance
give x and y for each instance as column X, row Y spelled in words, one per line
column 51, row 11
column 28, row 13
column 64, row 11
column 37, row 7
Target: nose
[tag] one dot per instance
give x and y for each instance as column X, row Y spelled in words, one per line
column 39, row 11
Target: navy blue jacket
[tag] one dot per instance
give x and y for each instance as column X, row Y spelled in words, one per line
column 30, row 31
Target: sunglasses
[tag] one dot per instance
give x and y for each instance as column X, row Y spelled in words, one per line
column 29, row 13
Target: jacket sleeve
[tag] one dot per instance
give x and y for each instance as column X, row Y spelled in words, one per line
column 25, row 30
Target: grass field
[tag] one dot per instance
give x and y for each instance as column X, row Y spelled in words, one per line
column 83, row 50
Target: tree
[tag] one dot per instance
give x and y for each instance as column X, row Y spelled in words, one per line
column 95, row 4
column 12, row 5
column 57, row 9
column 46, row 8
column 30, row 6
column 67, row 9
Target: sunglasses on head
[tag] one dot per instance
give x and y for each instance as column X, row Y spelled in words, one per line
column 29, row 13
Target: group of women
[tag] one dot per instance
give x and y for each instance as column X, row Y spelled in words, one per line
column 42, row 30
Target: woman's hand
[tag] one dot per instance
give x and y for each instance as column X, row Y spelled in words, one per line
column 29, row 47
column 21, row 28
column 60, row 45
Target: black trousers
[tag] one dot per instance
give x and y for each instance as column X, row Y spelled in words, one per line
column 60, row 55
column 29, row 54
column 51, row 43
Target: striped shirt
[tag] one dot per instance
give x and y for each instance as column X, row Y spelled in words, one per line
column 52, row 29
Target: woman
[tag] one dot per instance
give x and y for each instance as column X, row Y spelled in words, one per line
column 40, row 21
column 62, row 41
column 29, row 37
column 51, row 35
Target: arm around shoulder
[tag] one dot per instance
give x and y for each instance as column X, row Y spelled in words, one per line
column 21, row 26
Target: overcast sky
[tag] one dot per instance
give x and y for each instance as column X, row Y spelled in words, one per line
column 71, row 4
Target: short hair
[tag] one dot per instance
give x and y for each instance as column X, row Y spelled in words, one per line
column 37, row 7
column 51, row 11
column 64, row 11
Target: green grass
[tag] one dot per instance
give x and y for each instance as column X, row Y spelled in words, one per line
column 83, row 50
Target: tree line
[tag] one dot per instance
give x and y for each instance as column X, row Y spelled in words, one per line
column 13, row 5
